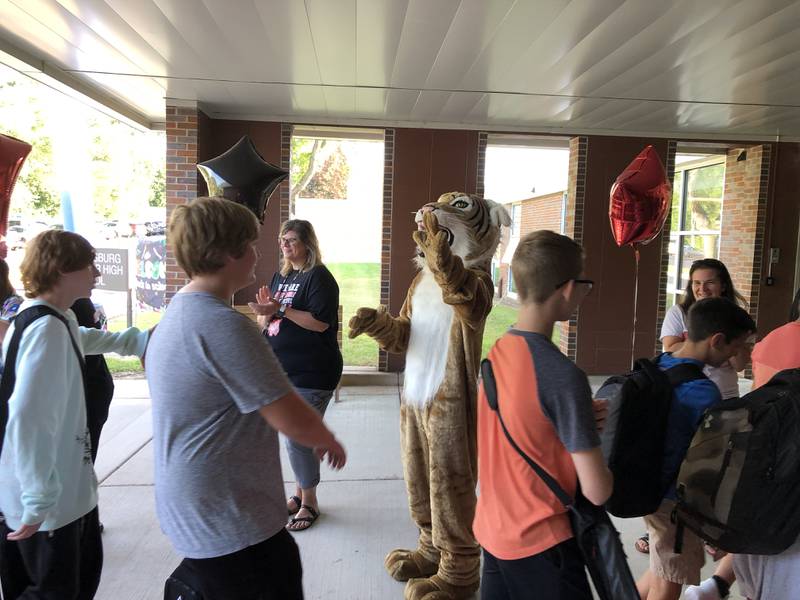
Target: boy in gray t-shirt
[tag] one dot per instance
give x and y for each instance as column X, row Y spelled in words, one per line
column 217, row 461
column 219, row 399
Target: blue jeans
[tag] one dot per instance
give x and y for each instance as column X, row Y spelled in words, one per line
column 304, row 461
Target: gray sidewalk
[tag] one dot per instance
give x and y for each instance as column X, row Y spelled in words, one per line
column 364, row 508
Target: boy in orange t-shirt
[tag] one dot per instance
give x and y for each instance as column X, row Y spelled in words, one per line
column 547, row 405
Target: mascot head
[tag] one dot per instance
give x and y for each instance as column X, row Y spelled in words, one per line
column 472, row 225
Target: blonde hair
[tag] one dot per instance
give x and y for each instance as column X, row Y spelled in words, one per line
column 305, row 233
column 208, row 230
column 542, row 261
column 51, row 254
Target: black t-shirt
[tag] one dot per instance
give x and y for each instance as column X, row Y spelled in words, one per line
column 99, row 382
column 311, row 359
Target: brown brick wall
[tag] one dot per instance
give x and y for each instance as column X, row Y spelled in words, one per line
column 181, row 162
column 783, row 215
column 573, row 227
column 672, row 147
column 542, row 212
column 743, row 219
column 386, row 238
column 483, row 142
column 286, row 159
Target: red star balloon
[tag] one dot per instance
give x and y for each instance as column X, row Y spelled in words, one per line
column 640, row 199
column 13, row 153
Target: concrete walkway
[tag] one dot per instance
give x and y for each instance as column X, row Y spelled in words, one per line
column 364, row 506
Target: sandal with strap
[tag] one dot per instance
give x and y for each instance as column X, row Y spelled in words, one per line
column 306, row 522
column 642, row 544
column 297, row 501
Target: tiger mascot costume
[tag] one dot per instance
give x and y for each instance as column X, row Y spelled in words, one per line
column 440, row 329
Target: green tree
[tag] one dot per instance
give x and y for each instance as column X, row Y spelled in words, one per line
column 330, row 181
column 303, row 160
column 158, row 190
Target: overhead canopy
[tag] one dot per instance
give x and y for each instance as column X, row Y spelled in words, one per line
column 714, row 69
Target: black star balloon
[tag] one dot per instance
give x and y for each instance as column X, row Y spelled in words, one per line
column 242, row 175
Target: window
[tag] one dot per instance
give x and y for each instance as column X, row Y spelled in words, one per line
column 695, row 219
column 516, row 219
column 512, row 289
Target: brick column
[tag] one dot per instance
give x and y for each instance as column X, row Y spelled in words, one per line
column 573, row 227
column 386, row 238
column 672, row 148
column 743, row 218
column 286, row 161
column 181, row 159
column 483, row 142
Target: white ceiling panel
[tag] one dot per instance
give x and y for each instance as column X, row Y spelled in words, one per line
column 371, row 103
column 715, row 68
column 425, row 27
column 379, row 24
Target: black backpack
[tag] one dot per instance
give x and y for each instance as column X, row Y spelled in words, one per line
column 739, row 486
column 635, row 431
column 9, row 379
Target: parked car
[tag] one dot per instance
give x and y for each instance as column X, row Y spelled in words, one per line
column 16, row 237
column 111, row 230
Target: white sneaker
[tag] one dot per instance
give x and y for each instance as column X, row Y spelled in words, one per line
column 707, row 590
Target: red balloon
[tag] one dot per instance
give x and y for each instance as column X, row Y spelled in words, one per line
column 640, row 199
column 13, row 153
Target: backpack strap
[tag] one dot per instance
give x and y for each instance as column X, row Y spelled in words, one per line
column 490, row 389
column 9, row 379
column 684, row 373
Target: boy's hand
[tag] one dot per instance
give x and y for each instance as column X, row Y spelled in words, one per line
column 600, row 406
column 335, row 453
column 23, row 533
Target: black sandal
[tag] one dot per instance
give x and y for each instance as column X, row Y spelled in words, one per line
column 308, row 521
column 298, row 502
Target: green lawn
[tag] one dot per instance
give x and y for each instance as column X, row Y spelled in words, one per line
column 359, row 285
column 118, row 365
column 500, row 319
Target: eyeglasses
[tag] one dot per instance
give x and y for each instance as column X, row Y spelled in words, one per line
column 287, row 241
column 587, row 282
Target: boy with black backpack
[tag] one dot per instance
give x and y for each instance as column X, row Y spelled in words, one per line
column 50, row 546
column 717, row 330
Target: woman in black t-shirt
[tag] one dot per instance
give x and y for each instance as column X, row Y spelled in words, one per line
column 298, row 314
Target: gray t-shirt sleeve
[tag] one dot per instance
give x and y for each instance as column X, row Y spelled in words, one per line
column 566, row 399
column 237, row 356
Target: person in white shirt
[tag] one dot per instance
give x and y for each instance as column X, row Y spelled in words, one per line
column 50, row 546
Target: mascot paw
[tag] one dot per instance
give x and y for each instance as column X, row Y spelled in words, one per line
column 433, row 240
column 363, row 320
column 435, row 588
column 403, row 565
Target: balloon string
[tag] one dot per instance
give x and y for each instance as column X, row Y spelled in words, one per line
column 635, row 301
